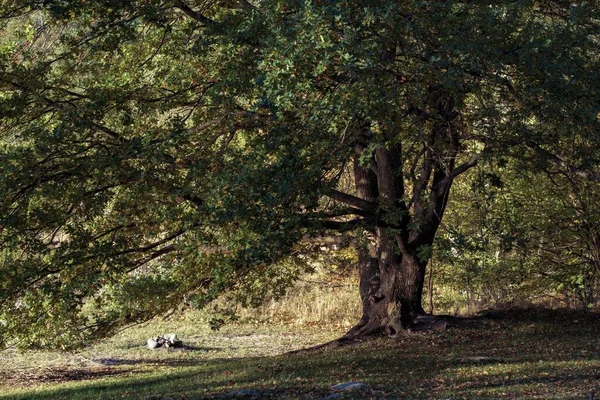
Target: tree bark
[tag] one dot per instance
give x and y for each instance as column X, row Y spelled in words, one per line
column 391, row 273
column 394, row 256
column 430, row 286
column 391, row 289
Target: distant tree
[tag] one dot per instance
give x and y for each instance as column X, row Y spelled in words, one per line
column 160, row 152
column 529, row 236
column 563, row 236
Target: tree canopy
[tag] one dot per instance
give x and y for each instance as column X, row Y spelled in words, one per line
column 171, row 151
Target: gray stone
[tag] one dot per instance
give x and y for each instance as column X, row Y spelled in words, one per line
column 350, row 387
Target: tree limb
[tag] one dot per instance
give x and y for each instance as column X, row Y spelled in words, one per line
column 342, row 212
column 340, row 226
column 181, row 5
column 151, row 246
column 352, row 200
column 57, row 106
column 466, row 166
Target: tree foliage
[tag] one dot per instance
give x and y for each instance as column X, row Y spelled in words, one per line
column 531, row 236
column 171, row 151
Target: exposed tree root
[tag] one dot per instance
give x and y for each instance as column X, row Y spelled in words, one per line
column 336, row 343
column 369, row 331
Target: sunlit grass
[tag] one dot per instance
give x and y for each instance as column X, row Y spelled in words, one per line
column 524, row 355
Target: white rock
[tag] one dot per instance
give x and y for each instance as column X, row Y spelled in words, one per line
column 174, row 341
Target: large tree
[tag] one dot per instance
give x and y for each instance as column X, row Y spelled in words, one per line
column 160, row 152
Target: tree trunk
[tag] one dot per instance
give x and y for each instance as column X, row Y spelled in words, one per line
column 393, row 261
column 391, row 273
column 430, row 286
column 391, row 288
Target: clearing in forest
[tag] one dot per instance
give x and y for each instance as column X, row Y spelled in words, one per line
column 519, row 354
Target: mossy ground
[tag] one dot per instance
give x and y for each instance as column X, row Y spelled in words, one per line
column 524, row 354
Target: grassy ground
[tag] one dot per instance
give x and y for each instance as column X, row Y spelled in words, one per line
column 537, row 354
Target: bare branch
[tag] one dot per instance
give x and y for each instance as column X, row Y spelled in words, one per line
column 424, row 175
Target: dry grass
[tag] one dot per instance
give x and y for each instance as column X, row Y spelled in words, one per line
column 312, row 302
column 532, row 354
column 525, row 354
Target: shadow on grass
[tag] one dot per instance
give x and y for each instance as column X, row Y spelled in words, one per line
column 60, row 375
column 310, row 377
column 511, row 358
column 304, row 376
column 126, row 388
column 212, row 379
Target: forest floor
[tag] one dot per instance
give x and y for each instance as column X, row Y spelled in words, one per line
column 535, row 354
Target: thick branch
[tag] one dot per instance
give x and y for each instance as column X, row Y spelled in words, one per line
column 352, row 200
column 466, row 166
column 342, row 212
column 180, row 4
column 425, row 173
column 153, row 256
column 341, row 226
